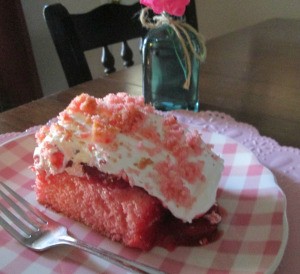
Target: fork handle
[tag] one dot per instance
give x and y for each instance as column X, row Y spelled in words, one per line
column 120, row 261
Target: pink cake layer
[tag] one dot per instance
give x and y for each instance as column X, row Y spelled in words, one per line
column 120, row 212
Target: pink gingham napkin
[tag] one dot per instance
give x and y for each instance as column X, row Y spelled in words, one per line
column 253, row 236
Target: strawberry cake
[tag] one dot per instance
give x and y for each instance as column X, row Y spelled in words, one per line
column 138, row 177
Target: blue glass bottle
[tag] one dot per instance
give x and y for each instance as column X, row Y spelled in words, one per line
column 165, row 70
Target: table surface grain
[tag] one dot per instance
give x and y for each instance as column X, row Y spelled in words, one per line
column 251, row 74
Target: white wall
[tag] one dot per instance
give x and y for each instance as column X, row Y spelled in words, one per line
column 215, row 17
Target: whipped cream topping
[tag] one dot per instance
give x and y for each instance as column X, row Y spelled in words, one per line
column 120, row 135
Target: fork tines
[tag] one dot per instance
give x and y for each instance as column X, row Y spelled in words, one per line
column 17, row 214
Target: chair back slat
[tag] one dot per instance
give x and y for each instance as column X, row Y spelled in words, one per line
column 126, row 54
column 108, row 60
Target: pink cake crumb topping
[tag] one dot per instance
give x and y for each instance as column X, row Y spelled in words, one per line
column 161, row 155
column 110, row 119
column 172, row 186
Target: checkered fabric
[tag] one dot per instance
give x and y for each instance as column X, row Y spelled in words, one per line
column 253, row 230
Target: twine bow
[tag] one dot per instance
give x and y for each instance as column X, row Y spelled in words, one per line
column 181, row 29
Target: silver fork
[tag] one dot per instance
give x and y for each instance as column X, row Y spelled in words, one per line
column 35, row 230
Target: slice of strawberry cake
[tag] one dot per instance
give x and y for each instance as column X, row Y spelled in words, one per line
column 134, row 175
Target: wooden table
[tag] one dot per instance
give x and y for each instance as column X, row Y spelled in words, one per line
column 251, row 74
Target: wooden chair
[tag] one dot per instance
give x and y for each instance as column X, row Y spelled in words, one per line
column 73, row 34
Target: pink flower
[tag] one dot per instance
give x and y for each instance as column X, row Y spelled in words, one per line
column 172, row 7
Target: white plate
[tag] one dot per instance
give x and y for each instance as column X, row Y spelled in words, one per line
column 254, row 228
